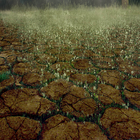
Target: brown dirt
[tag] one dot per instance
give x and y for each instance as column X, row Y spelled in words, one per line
column 26, row 115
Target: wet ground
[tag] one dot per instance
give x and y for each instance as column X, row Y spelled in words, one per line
column 36, row 104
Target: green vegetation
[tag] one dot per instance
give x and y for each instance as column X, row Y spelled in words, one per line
column 4, row 76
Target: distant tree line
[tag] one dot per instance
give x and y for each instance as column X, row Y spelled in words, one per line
column 135, row 2
column 7, row 4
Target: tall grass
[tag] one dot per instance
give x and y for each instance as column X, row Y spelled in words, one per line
column 57, row 23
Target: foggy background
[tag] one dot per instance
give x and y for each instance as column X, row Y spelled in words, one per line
column 41, row 4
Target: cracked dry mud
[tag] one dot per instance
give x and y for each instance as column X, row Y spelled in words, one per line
column 70, row 111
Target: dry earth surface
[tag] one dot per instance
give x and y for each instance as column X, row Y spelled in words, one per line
column 26, row 115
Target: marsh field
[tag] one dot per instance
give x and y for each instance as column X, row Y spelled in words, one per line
column 84, row 60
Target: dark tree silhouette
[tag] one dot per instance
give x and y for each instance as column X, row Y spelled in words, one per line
column 7, row 4
column 125, row 3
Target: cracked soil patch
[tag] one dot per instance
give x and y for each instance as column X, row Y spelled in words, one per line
column 99, row 102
